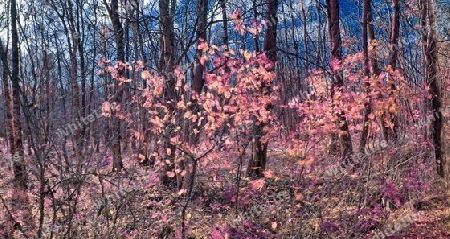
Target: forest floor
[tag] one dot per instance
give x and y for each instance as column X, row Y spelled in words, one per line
column 311, row 200
column 435, row 222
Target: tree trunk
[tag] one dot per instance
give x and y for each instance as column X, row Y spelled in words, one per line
column 394, row 34
column 257, row 163
column 166, row 66
column 371, row 34
column 443, row 50
column 431, row 77
column 142, row 142
column 367, row 106
column 7, row 96
column 395, row 29
column 73, row 49
column 255, row 17
column 338, row 79
column 198, row 81
column 305, row 38
column 20, row 172
column 374, row 65
column 319, row 31
column 118, row 37
column 225, row 23
column 20, row 202
column 8, row 227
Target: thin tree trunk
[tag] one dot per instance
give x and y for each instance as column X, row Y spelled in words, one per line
column 225, row 33
column 305, row 38
column 127, row 92
column 394, row 34
column 371, row 34
column 395, row 31
column 20, row 172
column 94, row 138
column 7, row 96
column 20, row 202
column 142, row 141
column 120, row 55
column 257, row 164
column 334, row 138
column 198, row 81
column 367, row 106
column 338, row 79
column 319, row 31
column 374, row 65
column 73, row 49
column 80, row 33
column 431, row 76
column 255, row 16
column 166, row 66
column 106, row 89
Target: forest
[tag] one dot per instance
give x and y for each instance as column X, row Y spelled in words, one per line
column 224, row 119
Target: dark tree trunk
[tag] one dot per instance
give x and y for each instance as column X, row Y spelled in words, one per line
column 225, row 23
column 257, row 163
column 395, row 31
column 338, row 79
column 20, row 202
column 118, row 38
column 367, row 106
column 371, row 34
column 431, row 77
column 19, row 166
column 198, row 81
column 7, row 96
column 76, row 113
column 255, row 16
column 166, row 66
column 305, row 39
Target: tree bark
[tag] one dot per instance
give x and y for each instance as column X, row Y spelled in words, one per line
column 371, row 34
column 257, row 164
column 255, row 17
column 338, row 79
column 166, row 66
column 117, row 99
column 431, row 77
column 225, row 23
column 305, row 38
column 443, row 59
column 20, row 201
column 319, row 31
column 7, row 96
column 198, row 81
column 73, row 49
column 393, row 57
column 367, row 106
